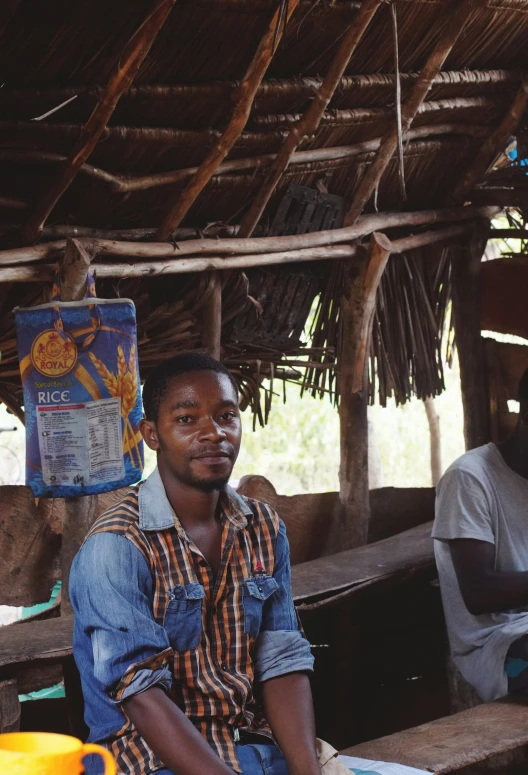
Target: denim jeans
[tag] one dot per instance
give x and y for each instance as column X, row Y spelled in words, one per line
column 256, row 759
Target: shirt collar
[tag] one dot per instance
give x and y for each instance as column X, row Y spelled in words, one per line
column 156, row 513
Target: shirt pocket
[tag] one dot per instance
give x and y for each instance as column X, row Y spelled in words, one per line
column 256, row 591
column 183, row 617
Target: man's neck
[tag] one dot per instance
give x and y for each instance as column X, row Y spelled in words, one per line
column 515, row 452
column 192, row 506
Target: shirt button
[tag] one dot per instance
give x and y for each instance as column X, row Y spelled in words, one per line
column 224, row 667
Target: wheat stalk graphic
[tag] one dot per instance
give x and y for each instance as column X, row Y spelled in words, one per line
column 123, row 385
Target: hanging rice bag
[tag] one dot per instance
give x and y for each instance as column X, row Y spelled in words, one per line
column 82, row 397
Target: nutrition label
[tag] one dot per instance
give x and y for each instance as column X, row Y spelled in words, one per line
column 81, row 444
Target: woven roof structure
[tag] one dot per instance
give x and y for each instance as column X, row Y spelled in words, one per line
column 160, row 121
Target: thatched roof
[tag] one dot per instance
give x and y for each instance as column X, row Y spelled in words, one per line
column 56, row 61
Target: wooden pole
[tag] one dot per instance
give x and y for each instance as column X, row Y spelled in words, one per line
column 494, row 144
column 80, row 512
column 435, row 439
column 311, row 119
column 456, row 20
column 212, row 319
column 249, row 246
column 243, row 97
column 45, row 272
column 357, row 313
column 470, row 347
column 129, row 62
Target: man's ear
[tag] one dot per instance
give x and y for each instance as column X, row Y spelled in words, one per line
column 150, row 434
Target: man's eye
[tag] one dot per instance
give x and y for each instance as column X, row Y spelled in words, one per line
column 227, row 416
column 184, row 419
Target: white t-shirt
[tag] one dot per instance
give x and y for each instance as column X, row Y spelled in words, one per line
column 480, row 497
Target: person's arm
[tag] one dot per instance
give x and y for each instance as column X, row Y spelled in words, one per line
column 171, row 736
column 282, row 659
column 289, row 711
column 111, row 592
column 484, row 589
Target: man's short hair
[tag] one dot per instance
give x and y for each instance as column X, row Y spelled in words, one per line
column 523, row 390
column 157, row 383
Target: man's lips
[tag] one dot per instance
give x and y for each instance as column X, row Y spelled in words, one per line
column 213, row 457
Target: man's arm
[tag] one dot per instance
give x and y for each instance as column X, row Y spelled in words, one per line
column 171, row 736
column 289, row 711
column 484, row 589
column 282, row 658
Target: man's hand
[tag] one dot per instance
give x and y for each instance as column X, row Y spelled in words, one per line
column 485, row 590
column 171, row 736
column 289, row 711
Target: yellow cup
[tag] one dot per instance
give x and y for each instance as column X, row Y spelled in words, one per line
column 42, row 753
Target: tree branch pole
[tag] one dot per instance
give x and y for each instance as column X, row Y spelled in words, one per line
column 456, row 20
column 435, row 439
column 80, row 512
column 125, row 183
column 494, row 144
column 129, row 62
column 358, row 304
column 252, row 245
column 470, row 346
column 311, row 119
column 45, row 272
column 243, row 96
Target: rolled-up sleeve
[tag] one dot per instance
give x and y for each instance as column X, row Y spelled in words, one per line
column 111, row 591
column 281, row 646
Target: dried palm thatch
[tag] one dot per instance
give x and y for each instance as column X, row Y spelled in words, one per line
column 57, row 62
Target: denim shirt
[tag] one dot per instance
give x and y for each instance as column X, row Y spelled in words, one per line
column 148, row 613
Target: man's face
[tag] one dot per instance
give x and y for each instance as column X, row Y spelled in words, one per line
column 198, row 432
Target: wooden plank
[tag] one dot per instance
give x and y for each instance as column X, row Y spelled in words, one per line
column 36, row 642
column 329, row 576
column 451, row 743
column 503, row 306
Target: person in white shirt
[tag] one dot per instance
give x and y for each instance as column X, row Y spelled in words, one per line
column 481, row 550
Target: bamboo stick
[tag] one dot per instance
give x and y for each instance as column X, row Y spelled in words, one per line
column 494, row 144
column 130, row 60
column 125, row 184
column 190, row 264
column 254, row 245
column 456, row 20
column 243, row 97
column 11, row 203
column 212, row 319
column 312, row 117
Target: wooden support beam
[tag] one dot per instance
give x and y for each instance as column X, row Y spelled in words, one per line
column 80, row 512
column 357, row 308
column 243, row 97
column 129, row 62
column 9, row 707
column 127, row 183
column 490, row 149
column 466, row 314
column 311, row 119
column 456, row 20
column 212, row 319
column 253, row 245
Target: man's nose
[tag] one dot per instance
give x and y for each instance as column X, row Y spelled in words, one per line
column 212, row 430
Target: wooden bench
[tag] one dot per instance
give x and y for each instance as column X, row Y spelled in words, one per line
column 452, row 743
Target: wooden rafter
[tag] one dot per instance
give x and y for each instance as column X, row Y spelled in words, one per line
column 129, row 62
column 235, row 246
column 128, row 183
column 456, row 20
column 493, row 145
column 312, row 117
column 243, row 97
column 212, row 263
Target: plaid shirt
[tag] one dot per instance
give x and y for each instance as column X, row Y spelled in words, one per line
column 149, row 612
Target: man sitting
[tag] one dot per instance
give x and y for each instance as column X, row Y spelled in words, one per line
column 186, row 636
column 481, row 548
